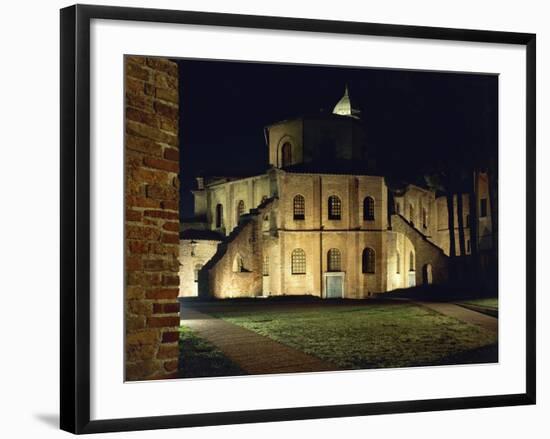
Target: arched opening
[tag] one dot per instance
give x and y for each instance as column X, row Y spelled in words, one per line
column 334, row 260
column 240, row 210
column 368, row 261
column 299, row 206
column 334, row 208
column 424, row 218
column 368, row 209
column 286, row 155
column 238, row 264
column 411, row 261
column 196, row 272
column 298, row 261
column 427, row 277
column 219, row 216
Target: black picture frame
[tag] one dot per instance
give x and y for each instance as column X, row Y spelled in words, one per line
column 75, row 217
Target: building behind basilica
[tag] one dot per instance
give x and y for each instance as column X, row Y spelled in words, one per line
column 319, row 222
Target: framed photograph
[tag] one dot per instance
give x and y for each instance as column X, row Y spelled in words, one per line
column 268, row 218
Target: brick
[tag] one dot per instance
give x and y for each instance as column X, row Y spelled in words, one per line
column 139, row 101
column 153, row 265
column 139, row 307
column 171, row 226
column 138, row 247
column 167, row 94
column 165, row 165
column 134, row 262
column 142, row 117
column 161, row 214
column 135, row 292
column 143, row 233
column 133, row 215
column 164, row 65
column 171, row 366
column 161, row 192
column 169, row 125
column 163, row 293
column 169, row 205
column 150, row 90
column 169, row 280
column 160, row 322
column 161, row 79
column 151, row 176
column 136, row 352
column 170, row 337
column 166, row 308
column 136, row 59
column 166, row 110
column 136, row 71
column 134, row 85
column 149, row 132
column 170, row 238
column 135, row 322
column 163, row 249
column 148, row 336
column 144, row 279
column 135, row 201
column 168, row 351
column 172, row 154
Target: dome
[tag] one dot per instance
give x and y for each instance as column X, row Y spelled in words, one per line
column 344, row 108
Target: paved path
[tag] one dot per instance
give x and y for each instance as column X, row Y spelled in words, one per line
column 463, row 314
column 254, row 353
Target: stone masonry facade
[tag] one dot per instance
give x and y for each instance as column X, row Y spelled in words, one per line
column 151, row 218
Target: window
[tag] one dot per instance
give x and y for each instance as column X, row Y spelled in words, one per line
column 219, row 216
column 298, row 261
column 238, row 264
column 368, row 209
column 411, row 261
column 240, row 209
column 286, row 154
column 411, row 214
column 467, row 220
column 483, row 208
column 397, row 263
column 265, row 266
column 334, row 208
column 299, row 207
column 368, row 260
column 468, row 247
column 424, row 218
column 196, row 272
column 334, row 260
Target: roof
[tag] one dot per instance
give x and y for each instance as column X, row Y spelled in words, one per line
column 206, row 235
column 344, row 107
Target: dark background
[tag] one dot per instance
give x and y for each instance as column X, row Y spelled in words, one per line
column 415, row 121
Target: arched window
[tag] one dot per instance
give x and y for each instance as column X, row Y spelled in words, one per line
column 219, row 216
column 265, row 265
column 368, row 260
column 238, row 264
column 240, row 209
column 411, row 214
column 397, row 263
column 334, row 208
column 424, row 218
column 196, row 272
column 411, row 261
column 334, row 260
column 286, row 154
column 368, row 209
column 298, row 261
column 299, row 207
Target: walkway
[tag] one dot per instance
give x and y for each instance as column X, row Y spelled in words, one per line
column 463, row 314
column 253, row 353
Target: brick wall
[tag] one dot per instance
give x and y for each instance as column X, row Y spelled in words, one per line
column 152, row 217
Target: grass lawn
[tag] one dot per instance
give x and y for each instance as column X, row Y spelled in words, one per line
column 199, row 358
column 491, row 302
column 366, row 336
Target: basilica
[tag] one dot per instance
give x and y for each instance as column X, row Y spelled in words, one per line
column 320, row 221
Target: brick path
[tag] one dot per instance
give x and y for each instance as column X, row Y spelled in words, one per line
column 254, row 353
column 463, row 314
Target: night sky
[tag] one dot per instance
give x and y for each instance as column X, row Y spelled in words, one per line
column 414, row 120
